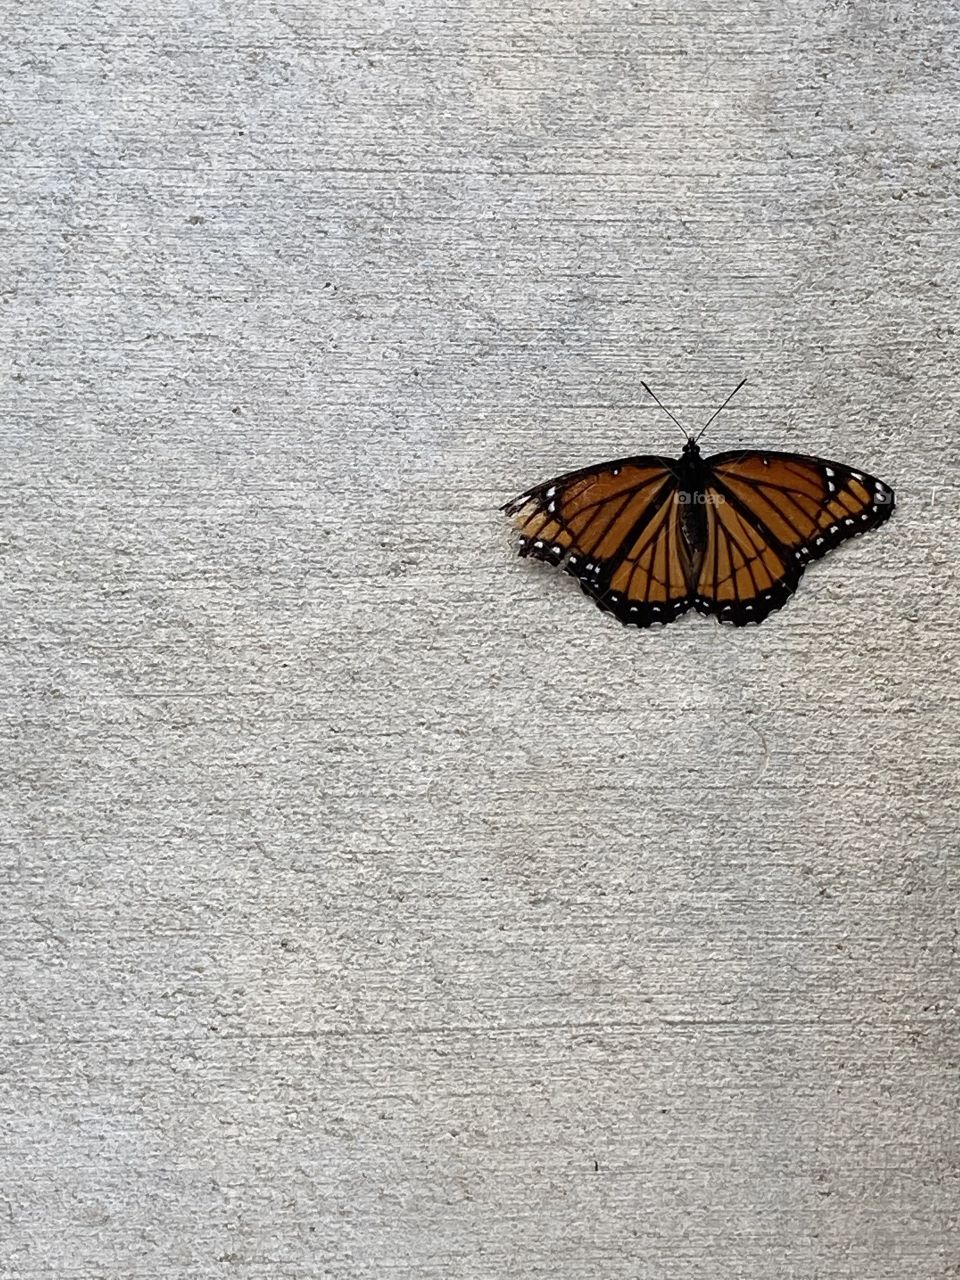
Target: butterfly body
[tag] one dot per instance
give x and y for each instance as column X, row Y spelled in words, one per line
column 692, row 499
column 649, row 537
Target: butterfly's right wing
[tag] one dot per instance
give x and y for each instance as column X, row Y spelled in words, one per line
column 768, row 515
column 616, row 528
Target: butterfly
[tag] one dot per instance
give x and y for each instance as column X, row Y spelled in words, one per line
column 650, row 537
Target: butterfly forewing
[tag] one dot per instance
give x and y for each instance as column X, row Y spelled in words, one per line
column 800, row 499
column 588, row 513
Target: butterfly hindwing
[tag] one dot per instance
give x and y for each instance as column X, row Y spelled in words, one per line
column 648, row 583
column 745, row 574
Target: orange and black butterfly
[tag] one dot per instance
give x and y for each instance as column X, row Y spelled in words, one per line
column 649, row 537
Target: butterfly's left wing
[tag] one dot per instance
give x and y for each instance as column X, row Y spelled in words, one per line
column 616, row 528
column 768, row 515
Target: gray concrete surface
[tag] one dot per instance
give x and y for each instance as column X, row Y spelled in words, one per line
column 373, row 906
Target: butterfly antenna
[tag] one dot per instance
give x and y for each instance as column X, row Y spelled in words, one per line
column 666, row 411
column 740, row 384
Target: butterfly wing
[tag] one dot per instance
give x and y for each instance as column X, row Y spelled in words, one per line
column 768, row 515
column 615, row 527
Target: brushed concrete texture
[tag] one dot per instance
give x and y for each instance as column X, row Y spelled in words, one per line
column 373, row 907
